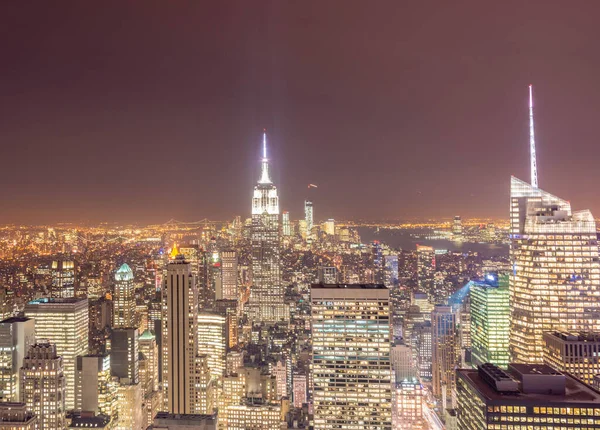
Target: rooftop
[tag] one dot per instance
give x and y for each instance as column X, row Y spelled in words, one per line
column 15, row 320
column 352, row 286
column 575, row 336
column 575, row 392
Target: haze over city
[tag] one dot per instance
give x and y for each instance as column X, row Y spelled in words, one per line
column 395, row 110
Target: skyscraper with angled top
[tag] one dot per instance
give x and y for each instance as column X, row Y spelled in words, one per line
column 267, row 292
column 555, row 279
column 124, row 298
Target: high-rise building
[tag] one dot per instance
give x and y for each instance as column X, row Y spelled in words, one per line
column 179, row 336
column 286, row 223
column 130, row 407
column 426, row 270
column 166, row 421
column 408, row 405
column 308, row 217
column 43, row 385
column 299, row 390
column 555, row 279
column 17, row 334
column 64, row 274
column 490, row 313
column 267, row 291
column 15, row 416
column 95, row 389
column 329, row 227
column 351, row 369
column 124, row 355
column 124, row 298
column 444, row 353
column 327, row 275
column 402, row 362
column 229, row 275
column 149, row 376
column 528, row 396
column 422, row 349
column 390, row 271
column 457, row 228
column 211, row 341
column 577, row 353
column 64, row 323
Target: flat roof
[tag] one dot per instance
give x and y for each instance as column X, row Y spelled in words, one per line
column 352, row 286
column 15, row 320
column 576, row 392
column 575, row 336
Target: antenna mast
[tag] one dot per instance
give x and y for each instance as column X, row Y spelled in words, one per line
column 532, row 156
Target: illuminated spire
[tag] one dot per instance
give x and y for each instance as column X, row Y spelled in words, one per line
column 174, row 252
column 264, row 173
column 534, row 175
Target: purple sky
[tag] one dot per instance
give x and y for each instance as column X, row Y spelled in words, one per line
column 149, row 110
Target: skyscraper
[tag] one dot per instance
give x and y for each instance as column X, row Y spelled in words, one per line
column 490, row 315
column 351, row 368
column 64, row 323
column 43, row 385
column 555, row 279
column 390, row 271
column 286, row 224
column 308, row 217
column 179, row 336
column 63, row 278
column 575, row 353
column 16, row 336
column 124, row 298
column 457, row 228
column 444, row 353
column 211, row 341
column 267, row 292
column 426, row 270
column 229, row 275
column 124, row 355
column 95, row 389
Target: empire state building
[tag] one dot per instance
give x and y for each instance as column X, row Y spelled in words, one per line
column 267, row 292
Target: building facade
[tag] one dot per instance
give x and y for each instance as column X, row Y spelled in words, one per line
column 351, row 368
column 124, row 298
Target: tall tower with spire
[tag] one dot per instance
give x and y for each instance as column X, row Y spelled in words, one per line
column 555, row 277
column 267, row 293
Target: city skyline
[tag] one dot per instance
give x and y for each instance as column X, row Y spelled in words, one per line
column 90, row 119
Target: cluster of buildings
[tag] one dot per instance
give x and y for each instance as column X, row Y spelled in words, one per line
column 273, row 324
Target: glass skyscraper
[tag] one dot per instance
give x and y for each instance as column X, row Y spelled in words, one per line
column 554, row 284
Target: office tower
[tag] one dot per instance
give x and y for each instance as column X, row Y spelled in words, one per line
column 213, row 276
column 464, row 331
column 299, row 390
column 280, row 373
column 390, row 270
column 254, row 416
column 6, row 305
column 422, row 300
column 302, row 229
column 327, row 275
column 124, row 298
column 229, row 275
column 527, row 396
column 95, row 389
column 457, row 228
column 308, row 217
column 554, row 284
column 329, row 227
column 490, row 313
column 149, row 376
column 43, row 385
column 577, row 353
column 179, row 336
column 64, row 274
column 149, row 350
column 17, row 334
column 211, row 341
column 64, row 323
column 408, row 405
column 229, row 309
column 15, row 416
column 352, row 383
column 286, row 224
column 378, row 264
column 426, row 270
column 422, row 349
column 167, row 421
column 444, row 353
column 233, row 361
column 124, row 355
column 401, row 357
column 267, row 292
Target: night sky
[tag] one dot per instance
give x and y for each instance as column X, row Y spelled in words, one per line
column 142, row 111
